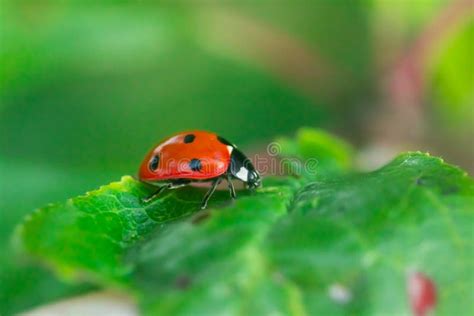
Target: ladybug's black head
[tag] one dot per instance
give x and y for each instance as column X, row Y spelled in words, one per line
column 242, row 168
column 253, row 180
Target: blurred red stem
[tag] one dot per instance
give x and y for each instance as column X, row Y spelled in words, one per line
column 406, row 83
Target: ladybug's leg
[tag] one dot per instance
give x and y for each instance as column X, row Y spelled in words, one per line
column 157, row 192
column 209, row 193
column 173, row 185
column 231, row 186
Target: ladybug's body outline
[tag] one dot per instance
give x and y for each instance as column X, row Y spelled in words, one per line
column 196, row 156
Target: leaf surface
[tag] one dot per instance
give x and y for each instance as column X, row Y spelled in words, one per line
column 343, row 243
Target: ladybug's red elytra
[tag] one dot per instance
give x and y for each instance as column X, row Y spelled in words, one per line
column 196, row 156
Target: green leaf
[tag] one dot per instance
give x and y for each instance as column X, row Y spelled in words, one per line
column 90, row 233
column 23, row 283
column 212, row 267
column 451, row 85
column 360, row 234
column 341, row 244
column 367, row 232
column 330, row 154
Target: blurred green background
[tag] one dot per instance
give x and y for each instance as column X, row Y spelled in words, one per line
column 87, row 88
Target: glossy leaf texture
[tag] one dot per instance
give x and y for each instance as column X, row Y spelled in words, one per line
column 351, row 242
column 89, row 234
column 332, row 245
column 342, row 246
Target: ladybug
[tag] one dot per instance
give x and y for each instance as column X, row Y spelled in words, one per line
column 196, row 156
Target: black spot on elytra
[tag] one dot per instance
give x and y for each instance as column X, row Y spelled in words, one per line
column 155, row 160
column 224, row 141
column 195, row 164
column 189, row 138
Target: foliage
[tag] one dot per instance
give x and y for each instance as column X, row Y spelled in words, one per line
column 284, row 249
column 451, row 85
column 85, row 90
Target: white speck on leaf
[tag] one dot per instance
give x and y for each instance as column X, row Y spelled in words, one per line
column 339, row 293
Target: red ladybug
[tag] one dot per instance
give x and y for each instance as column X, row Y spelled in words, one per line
column 196, row 156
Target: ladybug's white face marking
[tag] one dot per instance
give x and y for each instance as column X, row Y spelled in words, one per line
column 242, row 174
column 230, row 149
